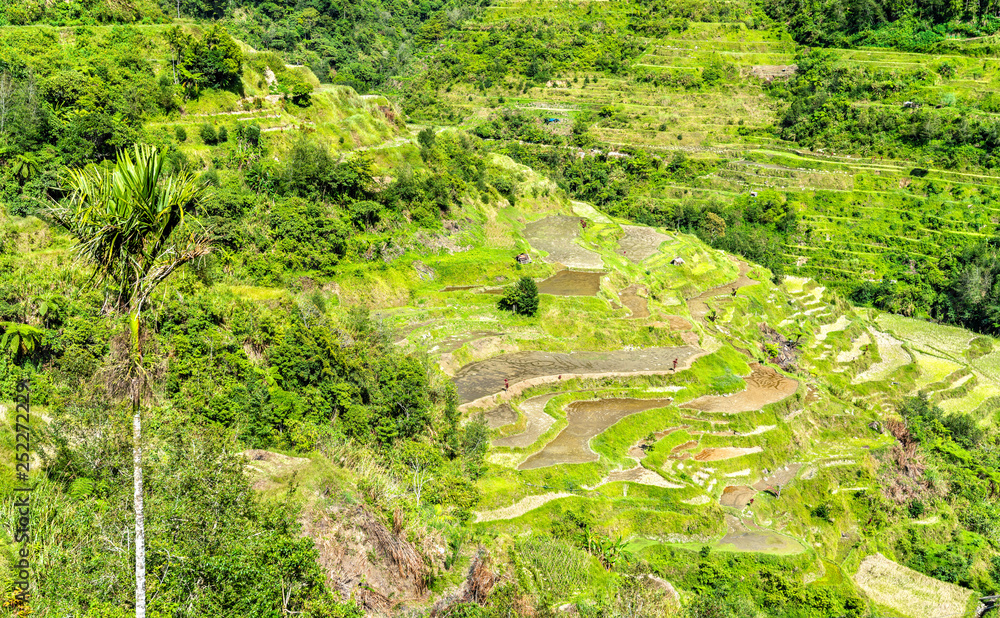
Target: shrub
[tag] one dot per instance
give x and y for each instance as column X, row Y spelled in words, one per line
column 223, row 135
column 180, row 134
column 521, row 298
column 208, row 134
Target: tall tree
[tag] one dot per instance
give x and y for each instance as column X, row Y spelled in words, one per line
column 129, row 224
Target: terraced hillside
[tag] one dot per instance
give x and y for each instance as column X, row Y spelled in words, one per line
column 678, row 428
column 874, row 202
column 723, row 450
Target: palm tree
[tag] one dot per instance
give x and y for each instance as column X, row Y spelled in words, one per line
column 128, row 221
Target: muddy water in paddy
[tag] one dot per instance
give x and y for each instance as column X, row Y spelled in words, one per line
column 586, row 419
column 764, row 386
column 538, row 422
column 450, row 344
column 486, row 378
column 499, row 416
column 571, row 283
column 640, row 242
column 555, row 236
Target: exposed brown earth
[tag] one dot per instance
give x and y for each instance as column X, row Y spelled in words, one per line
column 501, row 415
column 636, row 304
column 737, row 496
column 368, row 562
column 727, row 452
column 781, row 477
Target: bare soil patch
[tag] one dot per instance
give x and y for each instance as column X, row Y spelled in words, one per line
column 764, row 386
column 673, row 322
column 586, row 419
column 538, row 423
column 736, row 496
column 636, row 304
column 450, row 344
column 690, row 444
column 637, row 452
column 639, row 475
column 770, row 72
column 726, row 452
column 367, row 561
column 555, row 236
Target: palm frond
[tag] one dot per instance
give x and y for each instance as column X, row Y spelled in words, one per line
column 124, row 219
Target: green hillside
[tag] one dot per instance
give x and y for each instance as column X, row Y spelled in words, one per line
column 759, row 376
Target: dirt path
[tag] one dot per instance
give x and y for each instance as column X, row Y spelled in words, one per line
column 764, row 386
column 641, row 242
column 538, row 423
column 478, row 382
column 555, row 236
column 698, row 304
column 586, row 419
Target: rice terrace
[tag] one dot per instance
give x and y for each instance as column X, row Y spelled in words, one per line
column 500, row 309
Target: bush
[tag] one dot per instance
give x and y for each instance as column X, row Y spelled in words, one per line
column 223, row 135
column 521, row 298
column 180, row 134
column 208, row 134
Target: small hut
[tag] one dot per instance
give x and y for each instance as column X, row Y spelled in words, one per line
column 523, row 258
column 677, row 261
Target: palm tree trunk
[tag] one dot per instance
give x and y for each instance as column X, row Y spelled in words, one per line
column 140, row 524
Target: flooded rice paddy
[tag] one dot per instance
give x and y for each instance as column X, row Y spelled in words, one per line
column 485, row 378
column 586, row 419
